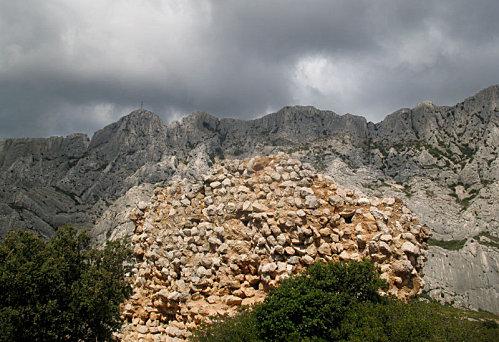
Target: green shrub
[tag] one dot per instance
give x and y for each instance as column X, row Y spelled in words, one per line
column 340, row 302
column 415, row 321
column 451, row 245
column 239, row 328
column 60, row 289
column 313, row 304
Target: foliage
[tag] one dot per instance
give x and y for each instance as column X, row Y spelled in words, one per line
column 60, row 289
column 414, row 321
column 313, row 304
column 407, row 190
column 239, row 328
column 487, row 239
column 340, row 302
column 451, row 245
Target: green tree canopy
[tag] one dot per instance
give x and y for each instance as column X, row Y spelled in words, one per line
column 60, row 289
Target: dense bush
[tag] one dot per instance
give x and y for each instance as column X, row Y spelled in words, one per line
column 314, row 304
column 340, row 302
column 416, row 321
column 60, row 289
column 239, row 328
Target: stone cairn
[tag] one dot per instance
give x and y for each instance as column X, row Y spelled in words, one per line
column 207, row 247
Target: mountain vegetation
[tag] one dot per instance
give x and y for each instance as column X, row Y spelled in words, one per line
column 340, row 302
column 60, row 289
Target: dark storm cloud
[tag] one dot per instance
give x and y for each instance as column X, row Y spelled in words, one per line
column 77, row 65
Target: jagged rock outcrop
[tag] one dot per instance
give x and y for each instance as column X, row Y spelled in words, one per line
column 443, row 162
column 207, row 247
column 29, row 172
column 46, row 183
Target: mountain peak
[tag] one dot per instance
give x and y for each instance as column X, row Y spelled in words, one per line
column 297, row 107
column 139, row 120
column 198, row 115
column 140, row 115
column 199, row 120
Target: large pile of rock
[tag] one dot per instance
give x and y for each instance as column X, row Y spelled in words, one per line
column 206, row 247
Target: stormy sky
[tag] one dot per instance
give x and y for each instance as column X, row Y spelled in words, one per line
column 77, row 65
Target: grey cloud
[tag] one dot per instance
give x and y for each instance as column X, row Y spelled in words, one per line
column 76, row 66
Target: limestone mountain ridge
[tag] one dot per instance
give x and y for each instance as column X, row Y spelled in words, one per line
column 441, row 160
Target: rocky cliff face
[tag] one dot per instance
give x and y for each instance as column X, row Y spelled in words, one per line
column 45, row 183
column 442, row 161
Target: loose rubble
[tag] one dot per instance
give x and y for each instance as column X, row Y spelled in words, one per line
column 207, row 247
